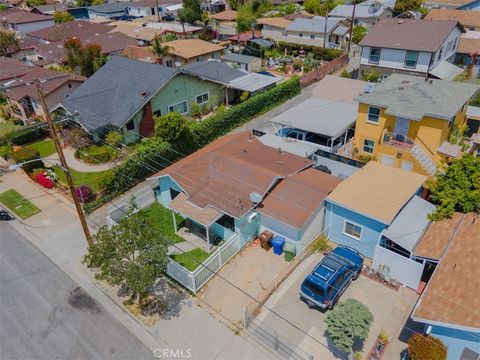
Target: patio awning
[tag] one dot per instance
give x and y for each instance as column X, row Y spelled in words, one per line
column 204, row 217
column 253, row 82
column 445, row 71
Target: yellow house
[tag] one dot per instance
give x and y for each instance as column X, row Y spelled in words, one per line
column 405, row 121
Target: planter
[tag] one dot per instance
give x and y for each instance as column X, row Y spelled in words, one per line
column 380, row 278
column 377, row 351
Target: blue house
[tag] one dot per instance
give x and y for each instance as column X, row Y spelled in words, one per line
column 449, row 305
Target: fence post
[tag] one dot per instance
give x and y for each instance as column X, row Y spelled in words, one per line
column 245, row 317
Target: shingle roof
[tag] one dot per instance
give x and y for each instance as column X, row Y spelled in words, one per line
column 135, row 30
column 378, row 191
column 21, row 17
column 50, row 9
column 108, row 8
column 110, row 42
column 315, row 25
column 464, row 17
column 224, row 173
column 362, row 11
column 278, row 22
column 227, row 15
column 190, row 48
column 116, row 92
column 468, row 45
column 451, row 296
column 413, row 98
column 240, row 58
column 419, row 35
column 213, row 70
column 73, row 29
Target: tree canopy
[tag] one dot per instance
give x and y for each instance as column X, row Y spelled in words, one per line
column 402, row 6
column 130, row 253
column 347, row 322
column 89, row 58
column 190, row 12
column 358, row 33
column 321, row 7
column 33, row 3
column 62, row 17
column 456, row 190
column 7, row 40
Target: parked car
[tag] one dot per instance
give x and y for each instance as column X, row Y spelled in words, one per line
column 168, row 17
column 331, row 277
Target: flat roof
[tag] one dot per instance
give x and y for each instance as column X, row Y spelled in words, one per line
column 338, row 88
column 451, row 296
column 410, row 224
column 473, row 112
column 253, row 82
column 289, row 145
column 205, row 217
column 320, row 116
column 378, row 191
column 446, row 71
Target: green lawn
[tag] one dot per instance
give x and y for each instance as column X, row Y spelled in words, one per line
column 92, row 179
column 7, row 127
column 160, row 219
column 44, row 147
column 18, row 204
column 191, row 259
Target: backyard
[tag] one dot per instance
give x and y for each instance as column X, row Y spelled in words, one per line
column 18, row 204
column 160, row 220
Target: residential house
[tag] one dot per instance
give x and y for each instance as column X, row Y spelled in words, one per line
column 135, row 30
column 128, row 102
column 23, row 21
column 446, row 4
column 468, row 51
column 367, row 203
column 141, row 53
column 184, row 31
column 49, row 9
column 367, row 13
column 405, row 120
column 78, row 29
column 273, row 28
column 144, row 8
column 243, row 62
column 414, row 47
column 470, row 20
column 188, row 51
column 225, row 22
column 238, row 186
column 18, row 88
column 106, row 11
column 449, row 304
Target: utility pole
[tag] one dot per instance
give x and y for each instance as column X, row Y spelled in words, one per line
column 351, row 27
column 325, row 36
column 158, row 12
column 58, row 147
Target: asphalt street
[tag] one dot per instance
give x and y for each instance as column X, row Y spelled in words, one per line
column 45, row 315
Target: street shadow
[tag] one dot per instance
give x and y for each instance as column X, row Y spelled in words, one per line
column 172, row 297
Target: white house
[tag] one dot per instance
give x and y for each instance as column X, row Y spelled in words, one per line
column 414, row 47
column 144, row 8
column 366, row 13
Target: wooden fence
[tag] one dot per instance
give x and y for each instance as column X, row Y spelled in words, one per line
column 320, row 72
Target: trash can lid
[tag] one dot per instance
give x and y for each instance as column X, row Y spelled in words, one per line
column 278, row 240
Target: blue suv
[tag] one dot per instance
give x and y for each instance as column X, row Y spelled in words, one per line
column 331, row 277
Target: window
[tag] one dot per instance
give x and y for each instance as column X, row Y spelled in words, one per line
column 169, row 63
column 69, row 85
column 368, row 146
column 201, row 99
column 312, row 37
column 314, row 288
column 449, row 46
column 440, row 52
column 214, row 56
column 411, row 59
column 374, row 57
column 352, row 230
column 180, row 108
column 130, row 125
column 373, row 114
column 407, row 166
column 157, row 113
column 454, row 44
column 173, row 193
column 199, row 59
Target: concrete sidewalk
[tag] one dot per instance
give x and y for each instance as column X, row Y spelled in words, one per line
column 56, row 231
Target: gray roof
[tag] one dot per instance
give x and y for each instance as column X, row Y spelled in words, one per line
column 289, row 145
column 213, row 70
column 117, row 91
column 320, row 116
column 261, row 42
column 239, row 58
column 413, row 98
column 108, row 8
column 315, row 25
column 367, row 9
column 341, row 30
column 445, row 71
column 409, row 225
column 473, row 111
column 253, row 82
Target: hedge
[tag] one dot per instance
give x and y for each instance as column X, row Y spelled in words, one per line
column 94, row 154
column 24, row 155
column 26, row 136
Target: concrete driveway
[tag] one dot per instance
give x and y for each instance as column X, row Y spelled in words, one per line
column 390, row 309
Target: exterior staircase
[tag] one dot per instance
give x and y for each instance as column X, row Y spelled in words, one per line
column 423, row 159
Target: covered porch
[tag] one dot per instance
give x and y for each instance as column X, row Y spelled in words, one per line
column 204, row 227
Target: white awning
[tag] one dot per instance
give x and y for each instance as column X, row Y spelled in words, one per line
column 253, row 82
column 446, row 71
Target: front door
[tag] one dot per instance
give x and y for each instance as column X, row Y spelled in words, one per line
column 401, row 126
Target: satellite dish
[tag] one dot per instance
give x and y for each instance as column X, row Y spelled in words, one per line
column 255, row 197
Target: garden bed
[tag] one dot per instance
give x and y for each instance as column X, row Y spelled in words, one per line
column 380, row 278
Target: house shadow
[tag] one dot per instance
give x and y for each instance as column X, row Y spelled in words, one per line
column 172, row 298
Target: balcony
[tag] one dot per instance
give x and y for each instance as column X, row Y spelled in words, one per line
column 397, row 140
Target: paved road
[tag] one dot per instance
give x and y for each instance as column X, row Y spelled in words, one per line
column 45, row 315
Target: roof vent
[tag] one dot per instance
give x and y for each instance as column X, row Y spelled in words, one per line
column 280, row 162
column 145, row 93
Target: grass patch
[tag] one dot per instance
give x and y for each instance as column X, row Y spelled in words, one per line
column 18, row 204
column 187, row 260
column 44, row 147
column 8, row 127
column 92, row 179
column 160, row 220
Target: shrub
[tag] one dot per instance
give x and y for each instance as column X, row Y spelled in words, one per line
column 297, row 65
column 426, row 348
column 43, row 180
column 371, row 75
column 114, row 138
column 6, row 151
column 359, row 32
column 76, row 138
column 345, row 74
column 95, row 154
column 84, row 193
column 196, row 112
column 27, row 135
column 319, row 53
column 23, row 155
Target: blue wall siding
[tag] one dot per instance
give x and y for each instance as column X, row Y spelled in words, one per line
column 246, row 230
column 335, row 218
column 457, row 340
column 220, row 231
column 163, row 195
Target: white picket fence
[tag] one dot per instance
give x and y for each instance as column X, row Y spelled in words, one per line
column 194, row 280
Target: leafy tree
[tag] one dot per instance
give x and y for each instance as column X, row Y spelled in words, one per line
column 7, row 41
column 130, row 253
column 170, row 127
column 3, row 6
column 33, row 3
column 89, row 58
column 402, row 6
column 347, row 322
column 62, row 17
column 114, row 138
column 312, row 6
column 170, row 37
column 159, row 49
column 371, row 75
column 475, row 101
column 358, row 32
column 422, row 347
column 458, row 189
column 321, row 7
column 190, row 12
column 82, row 3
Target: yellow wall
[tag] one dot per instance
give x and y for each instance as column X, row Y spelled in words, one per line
column 429, row 134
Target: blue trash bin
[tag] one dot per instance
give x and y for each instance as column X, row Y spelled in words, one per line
column 277, row 243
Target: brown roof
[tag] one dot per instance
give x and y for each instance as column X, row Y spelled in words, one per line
column 140, row 53
column 433, row 243
column 419, row 35
column 224, row 173
column 278, row 22
column 378, row 191
column 203, row 216
column 299, row 16
column 16, row 16
column 190, row 48
column 298, row 197
column 345, row 90
column 468, row 45
column 464, row 17
column 135, row 30
column 11, row 68
column 451, row 296
column 227, row 15
column 110, row 42
column 453, row 3
column 72, row 29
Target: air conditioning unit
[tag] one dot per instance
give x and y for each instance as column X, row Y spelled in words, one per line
column 252, row 217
